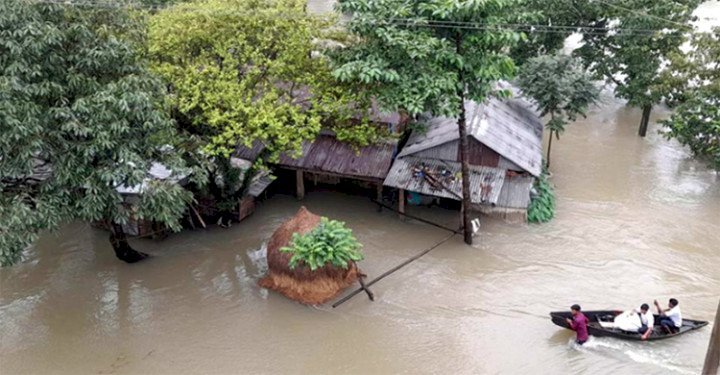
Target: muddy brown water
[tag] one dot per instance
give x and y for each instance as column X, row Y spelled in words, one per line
column 637, row 219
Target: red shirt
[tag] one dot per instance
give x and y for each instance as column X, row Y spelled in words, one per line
column 579, row 325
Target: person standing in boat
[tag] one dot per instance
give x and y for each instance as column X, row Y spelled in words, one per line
column 578, row 323
column 670, row 318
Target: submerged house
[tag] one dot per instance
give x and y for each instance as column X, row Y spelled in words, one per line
column 328, row 160
column 505, row 157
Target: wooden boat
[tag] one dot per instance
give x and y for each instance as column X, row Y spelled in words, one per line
column 599, row 325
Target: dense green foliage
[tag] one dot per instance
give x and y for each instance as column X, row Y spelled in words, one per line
column 561, row 89
column 330, row 243
column 422, row 65
column 548, row 36
column 245, row 71
column 542, row 205
column 696, row 124
column 629, row 43
column 79, row 116
column 696, row 120
column 414, row 57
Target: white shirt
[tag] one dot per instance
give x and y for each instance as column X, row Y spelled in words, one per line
column 647, row 319
column 632, row 320
column 675, row 315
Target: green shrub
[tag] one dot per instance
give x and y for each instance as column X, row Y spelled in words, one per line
column 329, row 243
column 542, row 206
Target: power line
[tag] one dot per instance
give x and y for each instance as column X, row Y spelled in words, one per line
column 644, row 14
column 406, row 22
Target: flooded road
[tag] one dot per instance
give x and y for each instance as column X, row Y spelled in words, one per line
column 637, row 219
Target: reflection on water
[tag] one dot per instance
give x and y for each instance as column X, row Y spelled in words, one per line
column 637, row 219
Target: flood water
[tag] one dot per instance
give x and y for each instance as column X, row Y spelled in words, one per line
column 637, row 219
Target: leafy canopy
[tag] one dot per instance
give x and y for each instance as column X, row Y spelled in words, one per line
column 560, row 87
column 549, row 37
column 631, row 40
column 247, row 70
column 80, row 116
column 330, row 243
column 421, row 65
column 696, row 121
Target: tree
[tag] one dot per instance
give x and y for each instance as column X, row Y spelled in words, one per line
column 553, row 22
column 415, row 57
column 628, row 43
column 80, row 116
column 561, row 88
column 696, row 121
column 243, row 71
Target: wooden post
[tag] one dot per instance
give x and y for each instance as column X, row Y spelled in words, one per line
column 712, row 358
column 300, row 184
column 379, row 195
column 401, row 202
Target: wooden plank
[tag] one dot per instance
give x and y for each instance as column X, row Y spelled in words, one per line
column 712, row 358
column 300, row 184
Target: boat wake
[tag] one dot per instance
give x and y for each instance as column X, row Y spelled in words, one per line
column 645, row 355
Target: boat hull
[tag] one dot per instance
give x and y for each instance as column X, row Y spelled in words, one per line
column 595, row 329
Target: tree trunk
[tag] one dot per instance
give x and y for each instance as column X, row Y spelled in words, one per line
column 644, row 120
column 464, row 168
column 122, row 248
column 547, row 159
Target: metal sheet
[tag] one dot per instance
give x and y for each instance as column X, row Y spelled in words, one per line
column 510, row 127
column 485, row 182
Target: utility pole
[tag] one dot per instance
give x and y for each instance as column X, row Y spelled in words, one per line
column 464, row 168
column 712, row 358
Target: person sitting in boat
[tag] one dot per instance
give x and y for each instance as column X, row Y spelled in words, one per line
column 670, row 318
column 637, row 320
column 578, row 323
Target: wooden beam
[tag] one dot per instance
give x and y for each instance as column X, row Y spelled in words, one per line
column 300, row 184
column 401, row 202
column 712, row 358
column 347, row 176
column 197, row 214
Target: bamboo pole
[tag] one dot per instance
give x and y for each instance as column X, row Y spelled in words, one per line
column 392, row 270
column 712, row 358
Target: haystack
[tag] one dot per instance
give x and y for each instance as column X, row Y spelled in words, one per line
column 301, row 284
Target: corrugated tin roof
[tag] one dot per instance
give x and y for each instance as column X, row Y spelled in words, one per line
column 515, row 192
column 510, row 127
column 259, row 183
column 485, row 182
column 249, row 153
column 328, row 154
column 157, row 172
